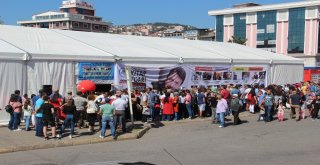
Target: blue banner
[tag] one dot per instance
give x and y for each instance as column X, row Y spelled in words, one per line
column 101, row 72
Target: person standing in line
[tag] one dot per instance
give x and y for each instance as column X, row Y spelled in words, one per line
column 17, row 107
column 48, row 118
column 107, row 111
column 212, row 99
column 39, row 115
column 120, row 107
column 295, row 101
column 27, row 110
column 176, row 106
column 182, row 106
column 80, row 104
column 167, row 107
column 222, row 107
column 226, row 95
column 201, row 102
column 188, row 102
column 70, row 110
column 316, row 107
column 151, row 97
column 92, row 109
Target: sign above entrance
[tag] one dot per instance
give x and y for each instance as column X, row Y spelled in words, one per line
column 98, row 72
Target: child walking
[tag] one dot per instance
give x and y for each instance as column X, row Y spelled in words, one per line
column 27, row 109
column 280, row 112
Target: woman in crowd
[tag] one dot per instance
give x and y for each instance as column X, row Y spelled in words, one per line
column 15, row 116
column 92, row 109
column 167, row 110
column 188, row 103
column 70, row 110
column 252, row 100
column 222, row 107
column 27, row 110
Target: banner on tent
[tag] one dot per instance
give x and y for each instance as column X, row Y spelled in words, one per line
column 186, row 76
column 98, row 72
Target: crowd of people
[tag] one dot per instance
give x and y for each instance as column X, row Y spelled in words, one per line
column 111, row 109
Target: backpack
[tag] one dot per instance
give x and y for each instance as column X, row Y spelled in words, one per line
column 235, row 104
column 9, row 109
column 156, row 99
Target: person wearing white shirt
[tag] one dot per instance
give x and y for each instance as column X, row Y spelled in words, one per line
column 120, row 107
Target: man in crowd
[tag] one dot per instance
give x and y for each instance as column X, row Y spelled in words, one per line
column 120, row 107
column 39, row 115
column 80, row 104
column 295, row 101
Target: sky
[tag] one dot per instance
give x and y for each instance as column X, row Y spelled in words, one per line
column 125, row 12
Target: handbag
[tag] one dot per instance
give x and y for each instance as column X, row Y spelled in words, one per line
column 61, row 115
column 139, row 108
column 146, row 111
column 9, row 109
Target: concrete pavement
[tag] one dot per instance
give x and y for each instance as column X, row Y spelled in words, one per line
column 24, row 141
column 258, row 143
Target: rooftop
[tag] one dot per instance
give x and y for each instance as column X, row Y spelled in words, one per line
column 250, row 8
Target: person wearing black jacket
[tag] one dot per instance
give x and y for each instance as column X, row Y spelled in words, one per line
column 212, row 100
column 316, row 107
column 70, row 110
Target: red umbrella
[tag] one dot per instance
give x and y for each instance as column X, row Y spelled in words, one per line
column 86, row 86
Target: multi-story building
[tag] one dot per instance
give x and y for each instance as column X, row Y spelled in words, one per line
column 171, row 33
column 287, row 28
column 75, row 15
column 199, row 34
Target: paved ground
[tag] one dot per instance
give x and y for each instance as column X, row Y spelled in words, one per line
column 287, row 143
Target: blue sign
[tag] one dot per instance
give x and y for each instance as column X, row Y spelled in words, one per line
column 96, row 71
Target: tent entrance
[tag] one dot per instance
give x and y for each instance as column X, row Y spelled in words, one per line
column 103, row 87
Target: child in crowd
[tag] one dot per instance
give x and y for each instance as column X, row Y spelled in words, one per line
column 27, row 109
column 262, row 112
column 280, row 111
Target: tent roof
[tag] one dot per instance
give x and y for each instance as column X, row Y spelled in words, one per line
column 47, row 44
column 74, row 45
column 8, row 51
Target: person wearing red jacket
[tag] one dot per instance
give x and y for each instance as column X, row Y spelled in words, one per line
column 167, row 110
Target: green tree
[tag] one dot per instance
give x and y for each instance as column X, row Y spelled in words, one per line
column 1, row 22
column 238, row 40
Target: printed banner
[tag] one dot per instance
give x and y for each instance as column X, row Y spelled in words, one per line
column 187, row 76
column 98, row 72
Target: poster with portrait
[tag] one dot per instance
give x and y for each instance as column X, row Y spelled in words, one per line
column 186, row 76
column 98, row 72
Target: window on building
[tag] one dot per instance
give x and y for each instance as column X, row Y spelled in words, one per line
column 85, row 25
column 240, row 26
column 104, row 28
column 44, row 25
column 64, row 24
column 57, row 24
column 96, row 27
column 267, row 29
column 296, row 30
column 79, row 11
column 75, row 24
column 219, row 28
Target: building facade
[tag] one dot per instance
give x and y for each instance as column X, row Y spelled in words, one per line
column 199, row 34
column 75, row 15
column 288, row 28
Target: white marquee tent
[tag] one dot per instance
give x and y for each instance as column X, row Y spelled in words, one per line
column 32, row 57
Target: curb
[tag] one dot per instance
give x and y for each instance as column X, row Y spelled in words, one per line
column 132, row 136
